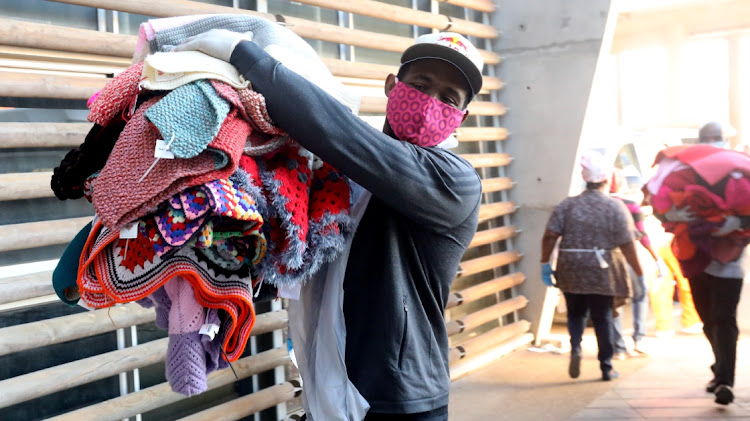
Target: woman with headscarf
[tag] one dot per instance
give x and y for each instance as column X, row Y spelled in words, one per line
column 597, row 240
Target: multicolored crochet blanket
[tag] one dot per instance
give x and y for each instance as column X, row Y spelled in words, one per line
column 308, row 213
column 114, row 270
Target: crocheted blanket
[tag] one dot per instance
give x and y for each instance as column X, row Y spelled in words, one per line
column 116, row 270
column 308, row 216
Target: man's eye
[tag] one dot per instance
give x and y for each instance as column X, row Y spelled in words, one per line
column 420, row 88
column 450, row 101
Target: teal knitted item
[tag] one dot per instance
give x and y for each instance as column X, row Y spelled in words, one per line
column 193, row 113
column 65, row 274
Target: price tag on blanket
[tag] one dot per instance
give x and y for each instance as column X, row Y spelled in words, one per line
column 209, row 330
column 162, row 149
column 83, row 304
column 129, row 231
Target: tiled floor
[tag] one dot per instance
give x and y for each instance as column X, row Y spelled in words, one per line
column 668, row 385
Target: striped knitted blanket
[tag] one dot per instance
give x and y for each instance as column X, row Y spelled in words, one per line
column 114, row 270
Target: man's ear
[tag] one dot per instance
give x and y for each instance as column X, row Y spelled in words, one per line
column 390, row 82
column 466, row 114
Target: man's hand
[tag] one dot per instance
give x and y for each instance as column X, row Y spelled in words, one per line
column 547, row 274
column 679, row 215
column 218, row 43
column 731, row 223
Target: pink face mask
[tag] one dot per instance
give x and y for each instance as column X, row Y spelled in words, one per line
column 418, row 118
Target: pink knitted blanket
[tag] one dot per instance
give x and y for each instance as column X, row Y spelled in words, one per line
column 119, row 197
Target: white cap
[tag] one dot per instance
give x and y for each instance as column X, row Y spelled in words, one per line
column 595, row 167
column 453, row 48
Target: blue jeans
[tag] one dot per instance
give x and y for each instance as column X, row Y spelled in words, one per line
column 600, row 309
column 640, row 310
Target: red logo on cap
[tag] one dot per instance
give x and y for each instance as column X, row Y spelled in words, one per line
column 455, row 43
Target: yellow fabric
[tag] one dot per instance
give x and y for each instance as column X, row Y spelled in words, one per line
column 661, row 294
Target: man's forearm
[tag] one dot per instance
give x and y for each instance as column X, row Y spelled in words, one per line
column 430, row 186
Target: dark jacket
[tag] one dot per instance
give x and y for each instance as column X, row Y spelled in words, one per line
column 421, row 218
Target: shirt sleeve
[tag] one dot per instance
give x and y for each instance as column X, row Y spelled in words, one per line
column 556, row 221
column 431, row 186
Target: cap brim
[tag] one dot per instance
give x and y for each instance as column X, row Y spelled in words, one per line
column 470, row 71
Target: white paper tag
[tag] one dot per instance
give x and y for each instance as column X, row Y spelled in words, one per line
column 164, row 77
column 209, row 330
column 129, row 231
column 162, row 150
column 83, row 304
column 290, row 291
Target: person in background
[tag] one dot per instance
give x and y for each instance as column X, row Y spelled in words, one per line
column 596, row 233
column 712, row 133
column 716, row 294
column 617, row 188
column 420, row 219
column 661, row 295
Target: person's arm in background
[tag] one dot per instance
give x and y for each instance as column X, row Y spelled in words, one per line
column 623, row 228
column 548, row 244
column 554, row 230
column 638, row 219
column 645, row 240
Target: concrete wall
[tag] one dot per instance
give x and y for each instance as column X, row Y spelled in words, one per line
column 549, row 53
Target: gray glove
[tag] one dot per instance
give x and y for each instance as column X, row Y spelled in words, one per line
column 218, row 43
column 679, row 215
column 731, row 223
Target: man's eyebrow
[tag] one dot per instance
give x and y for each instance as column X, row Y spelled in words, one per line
column 423, row 77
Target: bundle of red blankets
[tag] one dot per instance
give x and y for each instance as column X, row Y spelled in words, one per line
column 695, row 189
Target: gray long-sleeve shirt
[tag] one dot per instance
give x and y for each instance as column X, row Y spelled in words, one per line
column 404, row 256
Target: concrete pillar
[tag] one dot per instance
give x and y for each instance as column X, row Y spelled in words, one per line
column 549, row 53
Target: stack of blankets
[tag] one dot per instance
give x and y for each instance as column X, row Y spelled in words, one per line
column 199, row 198
column 710, row 184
